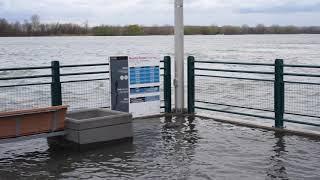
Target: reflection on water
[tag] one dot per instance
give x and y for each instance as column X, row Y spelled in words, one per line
column 171, row 148
column 278, row 169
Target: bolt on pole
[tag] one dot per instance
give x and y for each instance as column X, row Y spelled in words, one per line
column 179, row 56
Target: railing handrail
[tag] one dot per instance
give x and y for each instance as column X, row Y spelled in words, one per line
column 235, row 63
column 257, row 64
column 29, row 84
column 235, row 71
column 301, row 66
column 85, row 80
column 25, row 68
column 26, row 77
column 84, row 65
column 301, row 74
column 84, row 73
column 232, row 77
column 49, row 67
column 286, row 74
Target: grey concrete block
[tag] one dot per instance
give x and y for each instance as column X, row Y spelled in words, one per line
column 98, row 125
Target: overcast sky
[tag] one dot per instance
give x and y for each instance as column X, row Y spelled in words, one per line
column 150, row 12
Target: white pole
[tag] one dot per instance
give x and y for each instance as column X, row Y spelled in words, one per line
column 179, row 56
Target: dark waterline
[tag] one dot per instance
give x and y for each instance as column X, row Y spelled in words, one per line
column 185, row 149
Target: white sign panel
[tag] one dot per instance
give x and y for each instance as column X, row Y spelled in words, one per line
column 144, row 85
column 135, row 85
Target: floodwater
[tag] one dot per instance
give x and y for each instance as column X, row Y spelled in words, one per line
column 294, row 49
column 194, row 149
column 182, row 149
column 34, row 51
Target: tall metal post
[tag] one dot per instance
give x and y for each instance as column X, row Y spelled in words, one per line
column 191, row 91
column 279, row 94
column 56, row 96
column 167, row 84
column 179, row 56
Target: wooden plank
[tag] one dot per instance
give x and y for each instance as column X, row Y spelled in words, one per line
column 32, row 111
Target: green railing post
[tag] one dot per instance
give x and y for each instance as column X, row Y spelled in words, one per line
column 167, row 84
column 56, row 97
column 191, row 91
column 279, row 94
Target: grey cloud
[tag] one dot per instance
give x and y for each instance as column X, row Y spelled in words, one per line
column 149, row 12
column 287, row 8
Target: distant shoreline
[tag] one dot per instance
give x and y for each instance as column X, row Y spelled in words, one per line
column 34, row 28
column 76, row 35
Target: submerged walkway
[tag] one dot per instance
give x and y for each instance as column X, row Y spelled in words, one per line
column 187, row 149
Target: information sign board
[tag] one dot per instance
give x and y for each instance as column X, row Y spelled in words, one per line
column 135, row 85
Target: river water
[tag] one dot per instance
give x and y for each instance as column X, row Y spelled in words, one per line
column 200, row 149
column 28, row 51
column 294, row 49
column 184, row 149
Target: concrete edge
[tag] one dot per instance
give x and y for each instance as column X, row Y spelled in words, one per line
column 110, row 125
column 75, row 121
column 60, row 143
column 97, row 109
column 313, row 135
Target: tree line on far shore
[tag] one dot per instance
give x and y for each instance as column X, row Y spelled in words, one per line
column 34, row 27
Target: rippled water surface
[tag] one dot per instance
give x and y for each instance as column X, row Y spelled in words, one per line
column 258, row 48
column 194, row 149
column 182, row 149
column 294, row 49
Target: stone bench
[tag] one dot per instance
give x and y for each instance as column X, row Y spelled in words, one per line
column 98, row 125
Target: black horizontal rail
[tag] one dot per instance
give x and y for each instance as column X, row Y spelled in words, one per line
column 230, row 77
column 301, row 74
column 25, row 68
column 257, row 109
column 300, row 122
column 299, row 82
column 303, row 115
column 235, row 63
column 232, row 112
column 26, row 77
column 30, row 84
column 84, row 65
column 84, row 73
column 301, row 66
column 235, row 71
column 234, row 106
column 85, row 80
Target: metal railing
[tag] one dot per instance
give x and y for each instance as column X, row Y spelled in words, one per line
column 278, row 92
column 46, row 89
column 65, row 84
column 258, row 90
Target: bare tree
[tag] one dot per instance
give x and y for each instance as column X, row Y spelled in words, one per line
column 35, row 23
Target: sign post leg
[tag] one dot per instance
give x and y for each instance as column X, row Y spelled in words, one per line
column 179, row 56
